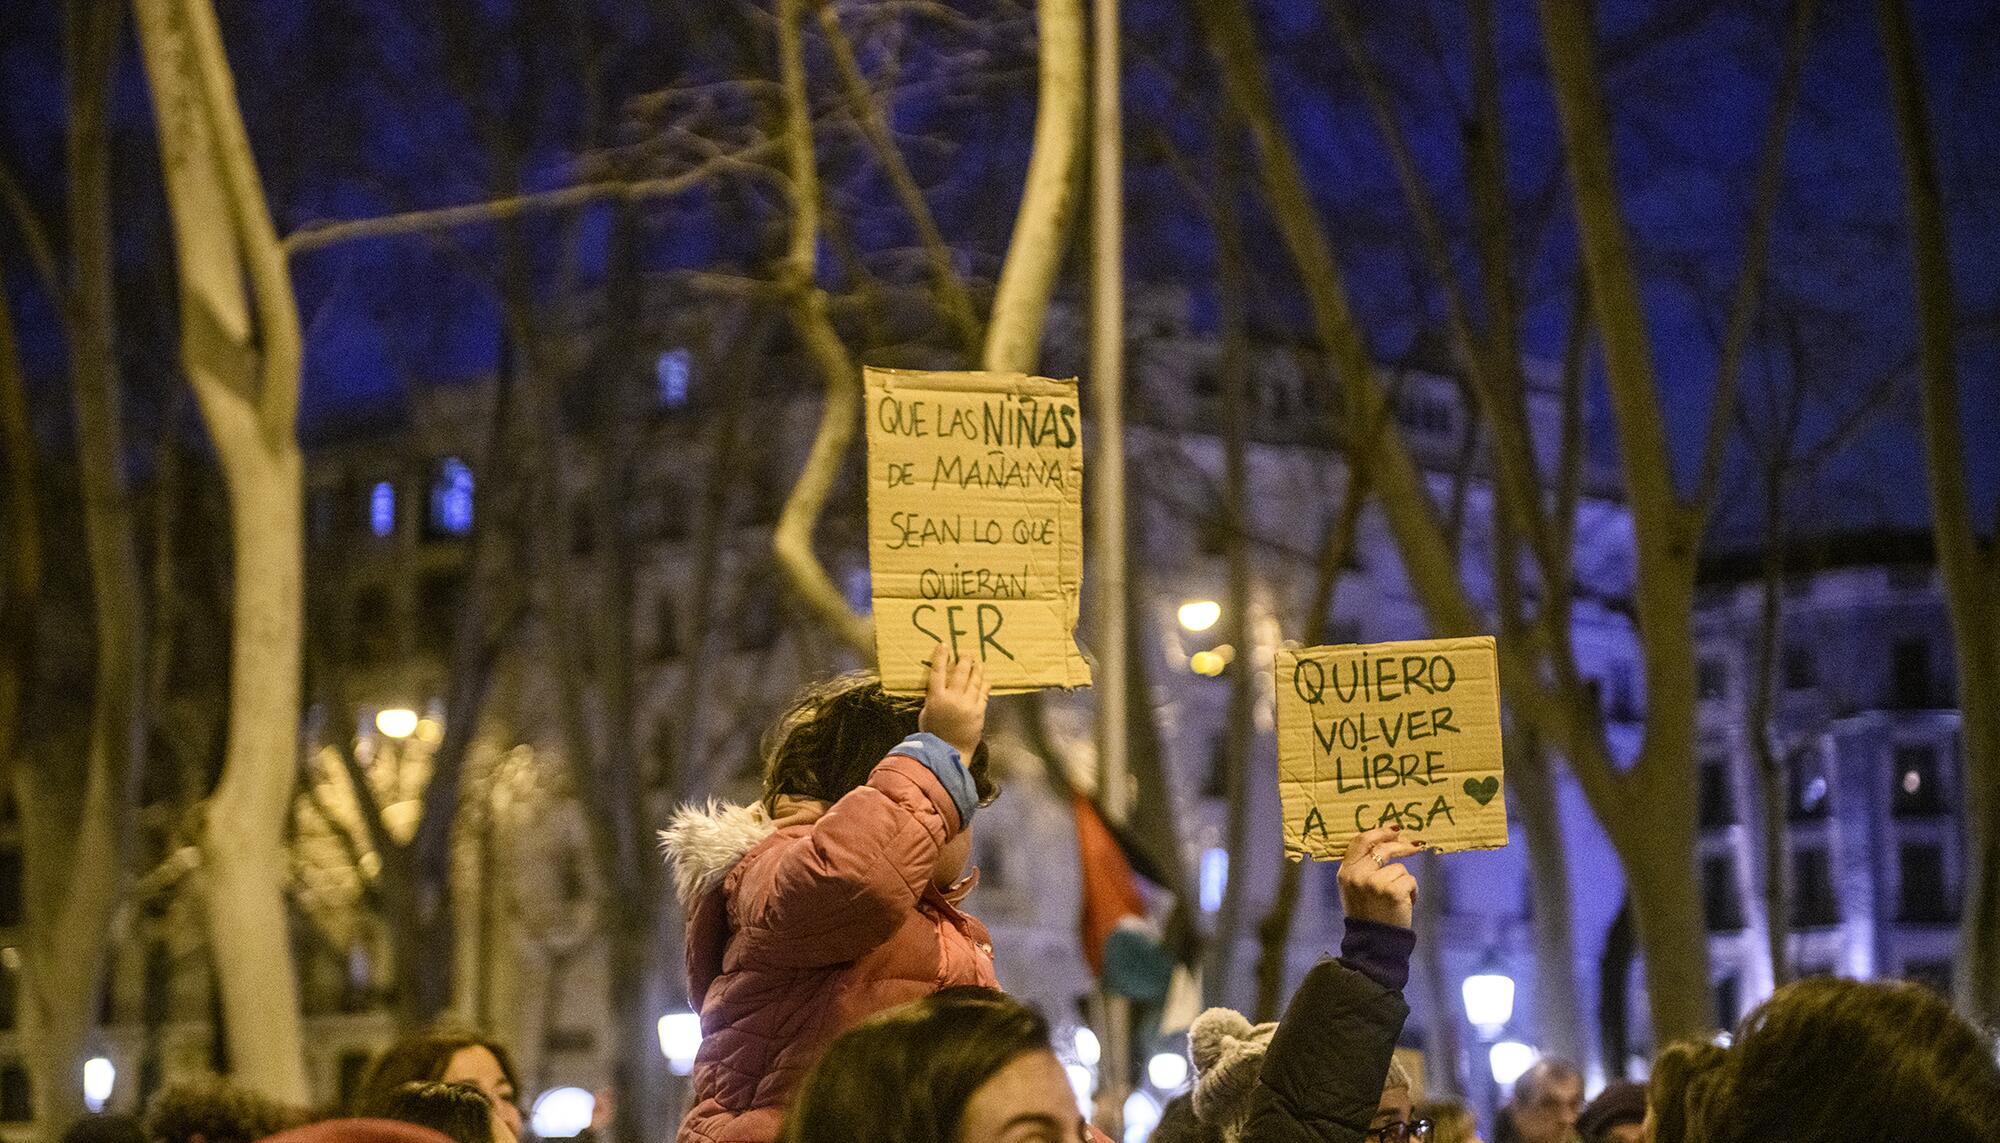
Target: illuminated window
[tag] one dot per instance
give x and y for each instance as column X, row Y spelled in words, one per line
column 1919, row 786
column 673, row 372
column 451, row 499
column 382, row 508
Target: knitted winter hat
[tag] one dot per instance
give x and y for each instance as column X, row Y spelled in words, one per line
column 1228, row 1051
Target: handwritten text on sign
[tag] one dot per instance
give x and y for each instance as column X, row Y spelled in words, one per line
column 975, row 525
column 1390, row 733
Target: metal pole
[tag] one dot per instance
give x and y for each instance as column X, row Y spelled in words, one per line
column 1107, row 389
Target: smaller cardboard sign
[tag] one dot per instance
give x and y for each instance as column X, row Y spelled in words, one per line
column 1376, row 734
column 975, row 525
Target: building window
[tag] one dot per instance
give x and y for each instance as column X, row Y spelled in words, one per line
column 1214, row 877
column 1919, row 786
column 1910, row 682
column 1711, row 680
column 1801, row 671
column 1424, row 414
column 1624, row 693
column 349, row 1072
column 322, row 515
column 10, row 989
column 450, row 507
column 674, row 373
column 1719, row 901
column 1814, row 905
column 1910, row 577
column 1808, row 793
column 382, row 509
column 1718, row 801
column 1923, row 894
column 582, row 528
column 666, row 630
column 10, row 886
column 440, row 598
column 371, row 627
column 1728, row 1001
column 17, row 1101
column 1932, row 974
column 758, row 619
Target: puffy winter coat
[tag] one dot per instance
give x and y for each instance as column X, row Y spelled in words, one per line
column 799, row 928
column 1322, row 1076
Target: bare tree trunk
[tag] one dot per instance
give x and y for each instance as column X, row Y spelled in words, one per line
column 1441, row 1078
column 1772, row 810
column 1558, row 1016
column 1971, row 577
column 240, row 346
column 75, row 826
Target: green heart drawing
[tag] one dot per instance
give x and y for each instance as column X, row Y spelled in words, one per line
column 1481, row 790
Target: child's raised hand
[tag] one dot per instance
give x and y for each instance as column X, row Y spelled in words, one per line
column 1373, row 887
column 955, row 703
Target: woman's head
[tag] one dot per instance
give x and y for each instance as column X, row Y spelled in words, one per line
column 961, row 1064
column 1451, row 1121
column 1826, row 1060
column 442, row 1056
column 459, row 1110
column 835, row 733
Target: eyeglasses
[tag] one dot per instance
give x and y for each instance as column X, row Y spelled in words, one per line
column 1418, row 1130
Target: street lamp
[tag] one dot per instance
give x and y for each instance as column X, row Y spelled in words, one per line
column 1167, row 1071
column 396, row 721
column 680, row 1041
column 1489, row 1000
column 1509, row 1059
column 1200, row 614
column 98, row 1078
column 563, row 1113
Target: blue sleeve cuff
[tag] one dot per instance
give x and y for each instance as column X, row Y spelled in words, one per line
column 1379, row 952
column 941, row 758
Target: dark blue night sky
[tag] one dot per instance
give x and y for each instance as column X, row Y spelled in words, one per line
column 360, row 108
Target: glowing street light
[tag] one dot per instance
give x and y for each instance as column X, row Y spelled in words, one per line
column 1088, row 1050
column 680, row 1040
column 396, row 721
column 1489, row 1000
column 562, row 1113
column 1167, row 1071
column 99, row 1076
column 1509, row 1059
column 1200, row 614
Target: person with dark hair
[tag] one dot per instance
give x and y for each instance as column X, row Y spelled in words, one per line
column 836, row 897
column 1833, row 1061
column 105, row 1128
column 1548, row 1098
column 215, row 1111
column 965, row 1065
column 441, row 1056
column 457, row 1109
column 1617, row 1115
column 1326, row 1073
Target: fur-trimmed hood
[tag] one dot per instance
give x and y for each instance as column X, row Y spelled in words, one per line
column 704, row 842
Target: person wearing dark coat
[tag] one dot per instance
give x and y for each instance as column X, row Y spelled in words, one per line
column 1318, row 1075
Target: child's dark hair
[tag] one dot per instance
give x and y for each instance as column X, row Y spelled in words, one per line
column 458, row 1110
column 835, row 733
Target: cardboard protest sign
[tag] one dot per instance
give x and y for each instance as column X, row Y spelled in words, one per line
column 975, row 525
column 1372, row 735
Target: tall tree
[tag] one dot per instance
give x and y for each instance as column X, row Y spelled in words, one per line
column 1971, row 576
column 240, row 347
column 1647, row 808
column 76, row 820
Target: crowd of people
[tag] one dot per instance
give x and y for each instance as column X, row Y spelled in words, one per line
column 846, row 995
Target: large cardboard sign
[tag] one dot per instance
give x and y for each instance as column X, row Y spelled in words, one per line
column 975, row 525
column 1376, row 734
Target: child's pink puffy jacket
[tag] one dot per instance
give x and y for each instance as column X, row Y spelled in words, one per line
column 799, row 928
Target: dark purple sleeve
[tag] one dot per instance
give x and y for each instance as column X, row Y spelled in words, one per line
column 1379, row 952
